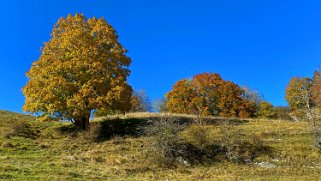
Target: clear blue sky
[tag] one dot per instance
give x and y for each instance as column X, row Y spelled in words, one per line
column 261, row 44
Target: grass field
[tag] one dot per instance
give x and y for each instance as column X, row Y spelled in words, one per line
column 51, row 151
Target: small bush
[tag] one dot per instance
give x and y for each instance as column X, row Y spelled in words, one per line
column 165, row 146
column 172, row 144
column 198, row 136
column 200, row 146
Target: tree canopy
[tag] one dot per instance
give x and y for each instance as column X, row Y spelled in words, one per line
column 209, row 94
column 266, row 110
column 82, row 67
column 298, row 93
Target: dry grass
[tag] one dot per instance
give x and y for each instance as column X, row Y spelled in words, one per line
column 152, row 115
column 61, row 155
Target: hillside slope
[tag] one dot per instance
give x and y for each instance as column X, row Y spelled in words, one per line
column 55, row 152
column 7, row 118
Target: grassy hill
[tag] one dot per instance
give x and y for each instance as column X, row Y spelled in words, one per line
column 53, row 151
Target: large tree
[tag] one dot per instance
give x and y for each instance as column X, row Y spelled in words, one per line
column 209, row 94
column 82, row 68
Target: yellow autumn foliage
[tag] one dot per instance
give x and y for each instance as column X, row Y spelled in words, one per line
column 82, row 68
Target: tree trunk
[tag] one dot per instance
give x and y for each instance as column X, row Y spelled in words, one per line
column 82, row 123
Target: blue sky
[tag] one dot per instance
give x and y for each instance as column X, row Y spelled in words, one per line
column 261, row 44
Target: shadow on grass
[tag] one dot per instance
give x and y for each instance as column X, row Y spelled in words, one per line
column 246, row 152
column 134, row 127
column 188, row 154
column 109, row 128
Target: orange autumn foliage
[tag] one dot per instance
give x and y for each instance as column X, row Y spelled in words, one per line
column 208, row 94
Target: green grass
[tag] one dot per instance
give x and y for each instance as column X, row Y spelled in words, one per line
column 56, row 154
